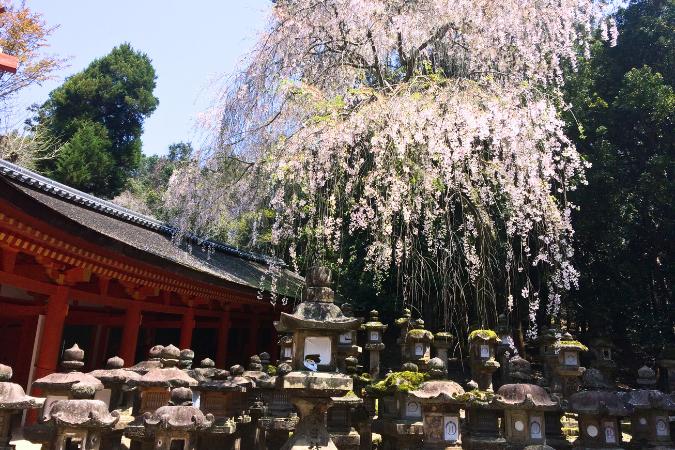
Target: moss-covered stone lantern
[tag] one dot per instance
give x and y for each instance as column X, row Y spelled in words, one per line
column 568, row 370
column 442, row 343
column 374, row 342
column 399, row 418
column 417, row 345
column 482, row 349
column 316, row 326
column 403, row 323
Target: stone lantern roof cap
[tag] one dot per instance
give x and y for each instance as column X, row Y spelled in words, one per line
column 114, row 373
column 12, row 395
column 598, row 402
column 439, row 391
column 525, row 396
column 483, row 335
column 81, row 385
column 317, row 311
column 374, row 323
column 165, row 377
column 349, row 399
column 81, row 414
column 648, row 399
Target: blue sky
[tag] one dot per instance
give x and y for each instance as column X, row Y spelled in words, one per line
column 189, row 43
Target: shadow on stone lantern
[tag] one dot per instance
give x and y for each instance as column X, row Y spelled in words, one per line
column 316, row 326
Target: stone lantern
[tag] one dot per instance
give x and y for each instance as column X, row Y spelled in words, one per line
column 417, row 345
column 316, row 326
column 347, row 341
column 650, row 411
column 285, row 344
column 226, row 398
column 399, row 416
column 482, row 348
column 185, row 359
column 176, row 426
column 13, row 400
column 340, row 421
column 374, row 342
column 69, row 383
column 506, row 349
column 666, row 361
column 599, row 413
column 117, row 380
column 441, row 401
column 442, row 342
column 154, row 361
column 155, row 386
column 525, row 407
column 548, row 355
column 602, row 349
column 403, row 323
column 81, row 424
column 207, row 371
column 484, row 418
column 568, row 368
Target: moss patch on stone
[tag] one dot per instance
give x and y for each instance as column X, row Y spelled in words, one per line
column 420, row 334
column 486, row 335
column 571, row 344
column 399, row 382
column 476, row 396
column 271, row 370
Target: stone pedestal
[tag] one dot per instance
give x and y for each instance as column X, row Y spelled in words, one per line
column 311, row 394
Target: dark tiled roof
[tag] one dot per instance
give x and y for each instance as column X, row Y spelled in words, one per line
column 148, row 235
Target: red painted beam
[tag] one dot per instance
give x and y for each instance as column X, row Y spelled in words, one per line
column 28, row 284
column 13, row 309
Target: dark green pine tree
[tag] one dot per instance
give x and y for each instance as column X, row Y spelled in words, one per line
column 98, row 114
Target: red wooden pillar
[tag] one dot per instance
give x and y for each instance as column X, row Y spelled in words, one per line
column 253, row 331
column 187, row 326
column 223, row 338
column 132, row 324
column 52, row 333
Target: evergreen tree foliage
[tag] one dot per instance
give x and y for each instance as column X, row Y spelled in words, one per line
column 116, row 92
column 623, row 119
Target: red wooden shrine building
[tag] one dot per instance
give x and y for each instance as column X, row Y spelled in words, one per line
column 76, row 268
